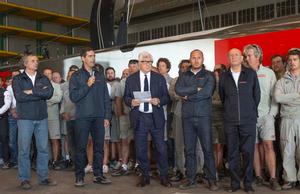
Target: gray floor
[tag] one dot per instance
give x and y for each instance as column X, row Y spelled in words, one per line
column 121, row 185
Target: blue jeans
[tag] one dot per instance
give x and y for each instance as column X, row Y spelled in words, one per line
column 194, row 128
column 26, row 128
column 13, row 139
column 83, row 127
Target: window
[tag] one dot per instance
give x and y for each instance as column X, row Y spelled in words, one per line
column 133, row 37
column 170, row 30
column 144, row 35
column 265, row 12
column 157, row 33
column 286, row 8
column 228, row 19
column 184, row 28
column 246, row 16
column 197, row 25
column 212, row 22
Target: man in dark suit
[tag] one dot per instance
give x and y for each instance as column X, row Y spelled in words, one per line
column 148, row 117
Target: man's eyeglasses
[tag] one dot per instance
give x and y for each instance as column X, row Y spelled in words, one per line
column 147, row 62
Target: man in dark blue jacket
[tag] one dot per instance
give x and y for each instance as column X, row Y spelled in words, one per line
column 147, row 116
column 240, row 95
column 196, row 86
column 88, row 90
column 31, row 90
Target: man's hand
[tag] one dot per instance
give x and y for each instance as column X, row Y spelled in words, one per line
column 198, row 89
column 155, row 101
column 135, row 102
column 106, row 123
column 91, row 81
column 66, row 116
column 13, row 112
column 27, row 91
column 184, row 97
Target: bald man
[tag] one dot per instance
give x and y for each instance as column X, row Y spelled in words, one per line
column 196, row 87
column 240, row 95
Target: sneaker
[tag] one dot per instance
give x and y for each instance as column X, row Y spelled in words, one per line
column 6, row 166
column 121, row 172
column 101, row 180
column 105, row 169
column 130, row 165
column 288, row 185
column 213, row 186
column 88, row 169
column 25, row 185
column 177, row 177
column 187, row 185
column 274, row 184
column 79, row 182
column 259, row 181
column 249, row 189
column 115, row 165
column 56, row 165
column 138, row 170
column 200, row 177
column 48, row 182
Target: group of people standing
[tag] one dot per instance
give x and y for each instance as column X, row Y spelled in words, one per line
column 255, row 107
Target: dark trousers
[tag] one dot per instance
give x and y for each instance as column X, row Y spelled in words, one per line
column 71, row 137
column 240, row 139
column 145, row 124
column 95, row 126
column 194, row 128
column 4, row 138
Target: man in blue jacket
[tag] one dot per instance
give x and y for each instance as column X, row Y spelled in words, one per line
column 31, row 90
column 88, row 91
column 196, row 86
column 240, row 94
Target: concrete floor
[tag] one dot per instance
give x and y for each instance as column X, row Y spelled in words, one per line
column 9, row 184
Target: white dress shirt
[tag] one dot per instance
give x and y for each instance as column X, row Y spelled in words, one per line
column 32, row 77
column 142, row 78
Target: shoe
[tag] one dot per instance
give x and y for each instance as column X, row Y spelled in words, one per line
column 143, row 181
column 177, row 177
column 56, row 165
column 68, row 163
column 138, row 170
column 213, row 186
column 105, row 169
column 288, row 185
column 88, row 169
column 6, row 166
column 233, row 189
column 120, row 172
column 259, row 181
column 25, row 185
column 199, row 177
column 101, row 180
column 48, row 182
column 187, row 185
column 79, row 182
column 249, row 190
column 166, row 183
column 274, row 184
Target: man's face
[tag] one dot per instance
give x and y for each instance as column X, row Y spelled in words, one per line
column 235, row 57
column 14, row 73
column 31, row 63
column 196, row 59
column 125, row 73
column 56, row 78
column 133, row 67
column 89, row 59
column 162, row 68
column 277, row 64
column 294, row 62
column 252, row 60
column 184, row 67
column 110, row 75
column 48, row 73
column 145, row 63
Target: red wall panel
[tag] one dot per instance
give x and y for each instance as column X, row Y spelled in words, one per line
column 272, row 43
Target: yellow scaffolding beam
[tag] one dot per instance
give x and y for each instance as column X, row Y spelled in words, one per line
column 7, row 54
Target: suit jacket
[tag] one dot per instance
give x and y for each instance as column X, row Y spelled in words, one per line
column 158, row 88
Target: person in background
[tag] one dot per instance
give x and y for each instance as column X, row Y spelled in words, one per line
column 278, row 66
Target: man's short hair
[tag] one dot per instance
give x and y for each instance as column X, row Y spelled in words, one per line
column 183, row 61
column 110, row 68
column 47, row 68
column 145, row 54
column 293, row 51
column 24, row 59
column 280, row 56
column 85, row 50
column 166, row 61
column 257, row 51
column 133, row 61
column 74, row 67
